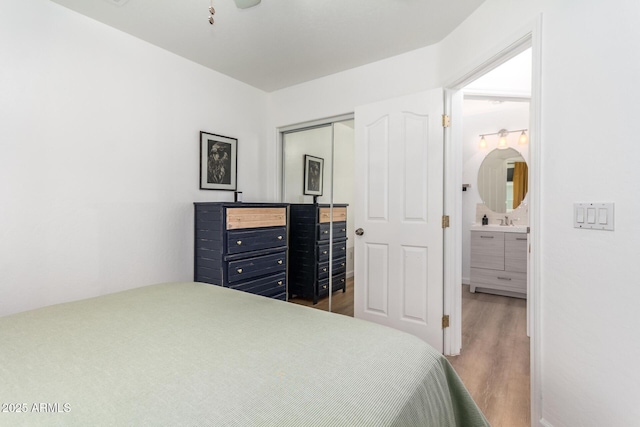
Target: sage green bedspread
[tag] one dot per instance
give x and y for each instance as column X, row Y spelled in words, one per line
column 191, row 354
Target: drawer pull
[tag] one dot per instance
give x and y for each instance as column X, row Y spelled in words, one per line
column 326, row 232
column 504, row 278
column 343, row 229
column 239, row 271
column 342, row 265
column 324, row 252
column 324, row 287
column 486, row 237
column 324, row 269
column 279, row 237
column 280, row 262
column 342, row 248
column 521, row 238
column 239, row 242
column 342, row 280
column 279, row 282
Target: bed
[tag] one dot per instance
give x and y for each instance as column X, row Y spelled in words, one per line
column 194, row 354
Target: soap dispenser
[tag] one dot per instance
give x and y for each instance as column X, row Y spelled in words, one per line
column 485, row 220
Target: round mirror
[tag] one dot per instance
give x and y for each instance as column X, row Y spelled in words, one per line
column 503, row 180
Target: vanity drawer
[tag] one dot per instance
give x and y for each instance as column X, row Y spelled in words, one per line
column 256, row 217
column 266, row 286
column 339, row 214
column 487, row 250
column 502, row 280
column 515, row 252
column 339, row 230
column 339, row 250
column 239, row 241
column 256, row 266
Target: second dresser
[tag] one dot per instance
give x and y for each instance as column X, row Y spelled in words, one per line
column 310, row 247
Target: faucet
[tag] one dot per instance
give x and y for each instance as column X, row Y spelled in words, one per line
column 506, row 220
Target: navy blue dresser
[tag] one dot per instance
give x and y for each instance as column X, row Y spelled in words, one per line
column 242, row 246
column 309, row 226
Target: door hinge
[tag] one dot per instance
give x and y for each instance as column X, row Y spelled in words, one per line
column 445, row 321
column 446, row 121
column 445, row 221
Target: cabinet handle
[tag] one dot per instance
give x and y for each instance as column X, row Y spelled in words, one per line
column 342, row 248
column 239, row 242
column 279, row 237
column 521, row 238
column 279, row 282
column 342, row 280
column 324, row 287
column 324, row 269
column 486, row 237
column 504, row 278
column 343, row 229
column 324, row 252
column 326, row 232
column 280, row 261
column 239, row 271
column 342, row 265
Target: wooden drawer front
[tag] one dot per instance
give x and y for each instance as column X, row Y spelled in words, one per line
column 487, row 250
column 266, row 286
column 239, row 241
column 339, row 214
column 339, row 281
column 256, row 217
column 339, row 251
column 339, row 266
column 504, row 280
column 339, row 230
column 515, row 252
column 256, row 266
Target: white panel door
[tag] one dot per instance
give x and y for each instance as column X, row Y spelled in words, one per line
column 398, row 208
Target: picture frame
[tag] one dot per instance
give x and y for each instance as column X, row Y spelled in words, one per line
column 313, row 175
column 218, row 162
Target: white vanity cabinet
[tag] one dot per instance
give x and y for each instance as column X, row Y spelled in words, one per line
column 499, row 262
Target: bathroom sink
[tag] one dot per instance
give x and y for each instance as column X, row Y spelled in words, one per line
column 502, row 228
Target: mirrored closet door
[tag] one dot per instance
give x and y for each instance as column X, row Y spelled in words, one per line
column 318, row 183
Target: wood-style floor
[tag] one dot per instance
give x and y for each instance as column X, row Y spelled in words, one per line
column 494, row 364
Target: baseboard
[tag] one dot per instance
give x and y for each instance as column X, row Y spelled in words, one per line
column 466, row 281
column 349, row 274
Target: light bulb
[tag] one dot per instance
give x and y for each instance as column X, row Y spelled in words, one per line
column 483, row 143
column 502, row 143
column 523, row 140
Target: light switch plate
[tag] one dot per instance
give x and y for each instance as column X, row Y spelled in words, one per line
column 593, row 215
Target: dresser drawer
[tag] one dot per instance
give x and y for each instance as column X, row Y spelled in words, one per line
column 339, row 281
column 239, row 241
column 339, row 214
column 515, row 252
column 339, row 266
column 255, row 217
column 256, row 266
column 503, row 280
column 339, row 250
column 339, row 230
column 266, row 286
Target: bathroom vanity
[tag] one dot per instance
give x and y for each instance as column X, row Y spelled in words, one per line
column 499, row 260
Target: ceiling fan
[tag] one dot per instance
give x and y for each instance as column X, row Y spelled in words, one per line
column 245, row 4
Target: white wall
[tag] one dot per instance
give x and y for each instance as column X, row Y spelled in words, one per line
column 589, row 344
column 508, row 115
column 99, row 155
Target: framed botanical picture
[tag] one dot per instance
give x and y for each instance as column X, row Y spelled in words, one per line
column 218, row 162
column 313, row 175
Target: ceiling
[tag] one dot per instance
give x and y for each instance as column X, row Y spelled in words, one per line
column 280, row 43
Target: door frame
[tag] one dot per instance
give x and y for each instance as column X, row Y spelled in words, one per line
column 530, row 36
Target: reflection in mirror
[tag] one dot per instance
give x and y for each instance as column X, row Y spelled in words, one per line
column 334, row 145
column 503, row 180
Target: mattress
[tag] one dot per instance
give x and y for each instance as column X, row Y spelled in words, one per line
column 194, row 354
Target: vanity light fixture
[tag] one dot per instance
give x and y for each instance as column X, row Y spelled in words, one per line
column 502, row 142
